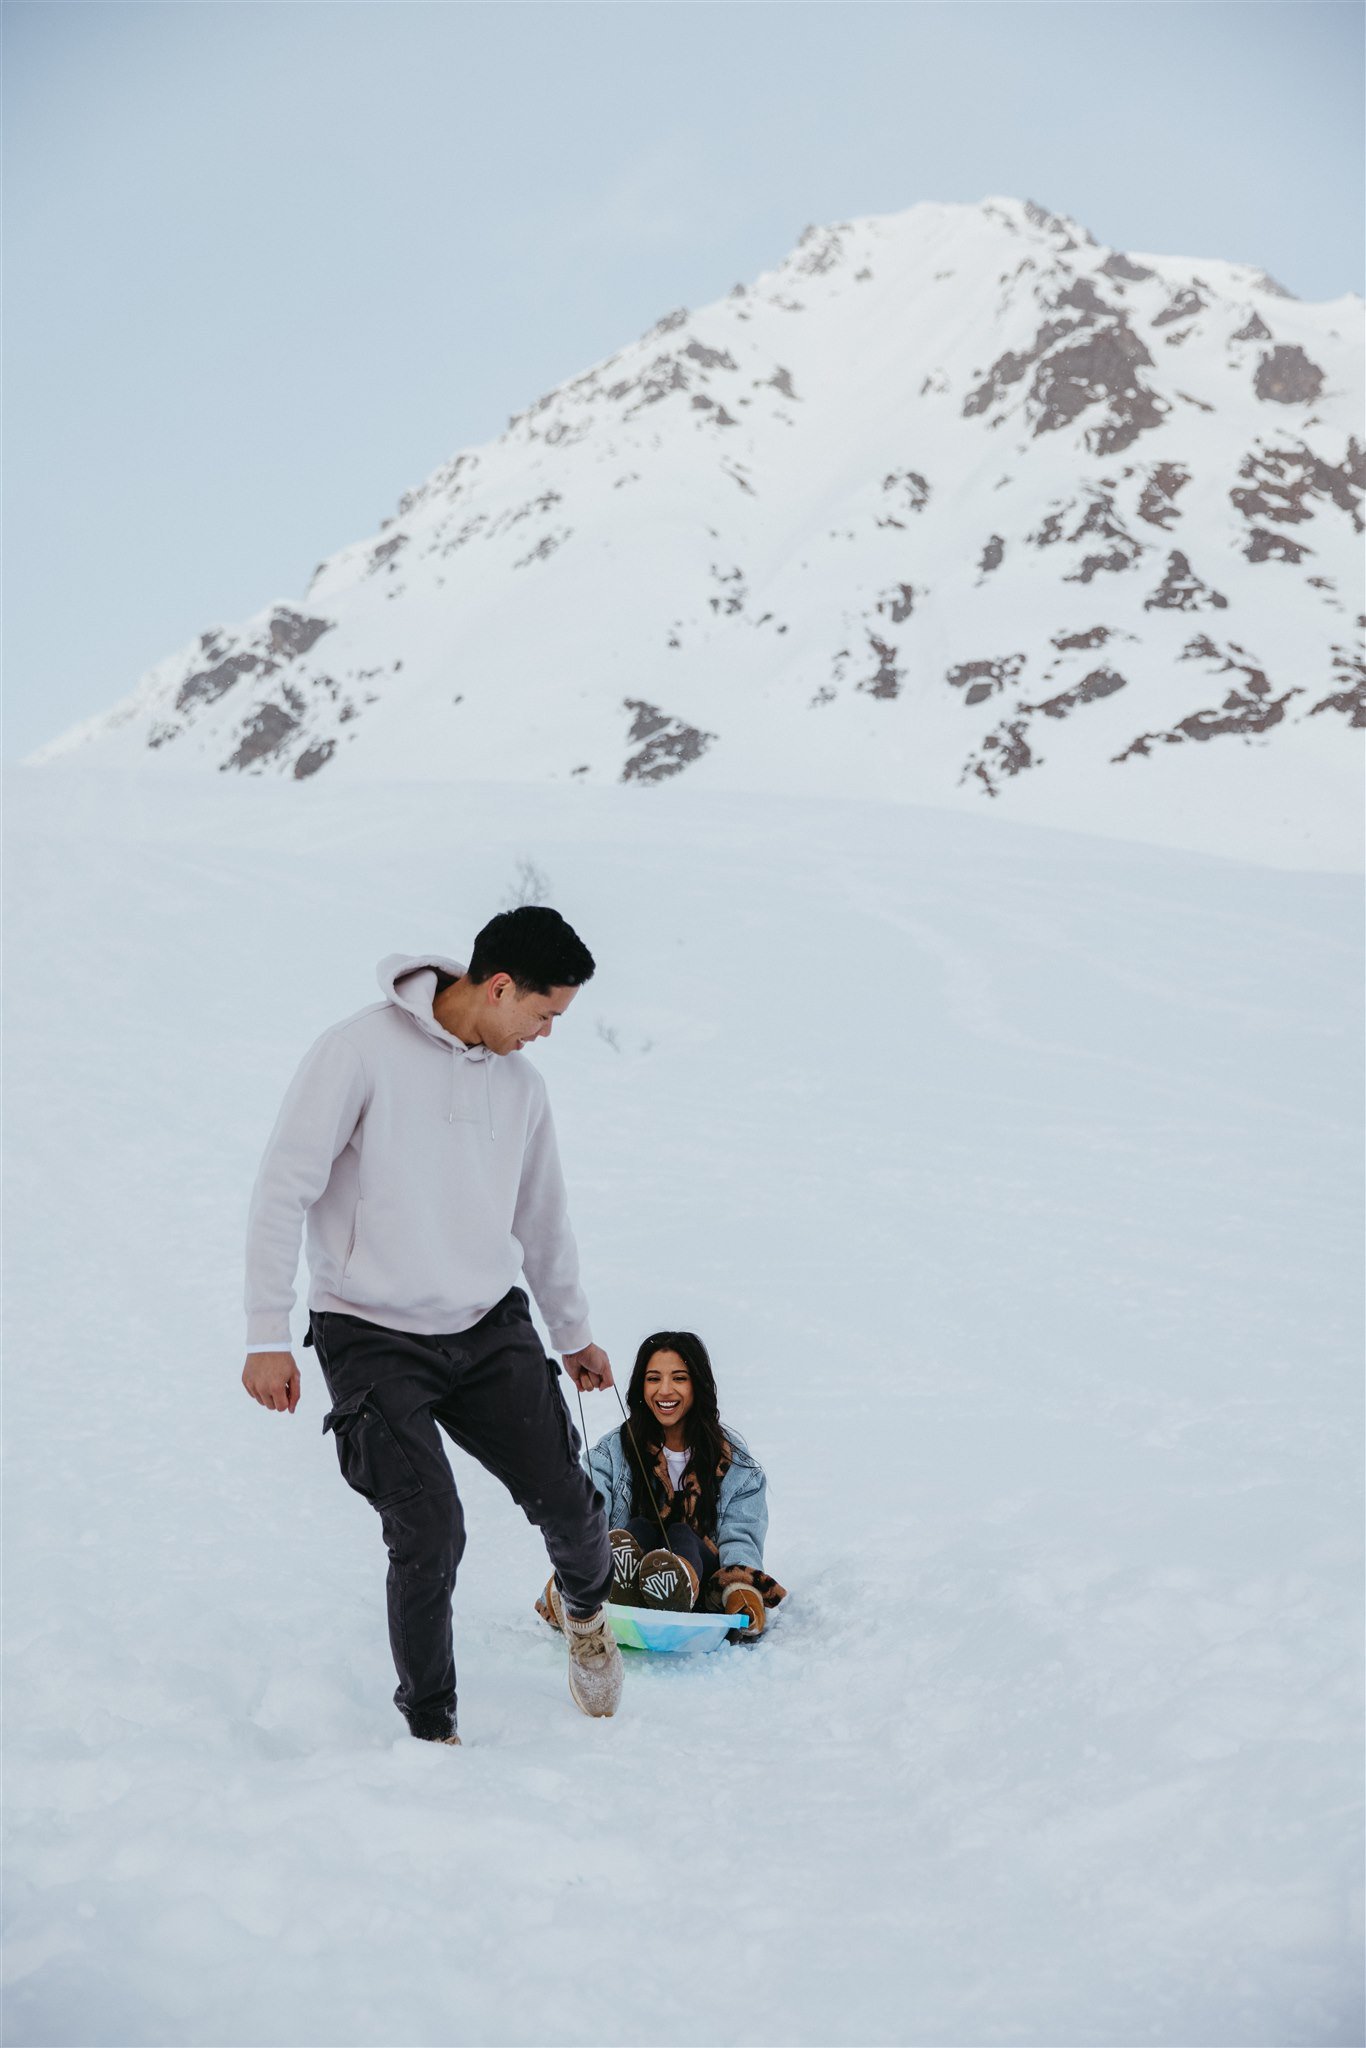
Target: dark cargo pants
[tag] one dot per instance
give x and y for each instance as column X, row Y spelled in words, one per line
column 496, row 1394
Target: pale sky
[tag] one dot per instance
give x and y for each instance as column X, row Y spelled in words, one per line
column 268, row 262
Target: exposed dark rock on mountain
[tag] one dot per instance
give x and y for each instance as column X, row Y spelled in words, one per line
column 1245, row 711
column 1287, row 377
column 1238, row 714
column 886, row 678
column 910, row 493
column 1095, row 637
column 1068, row 234
column 1158, row 502
column 208, row 684
column 669, row 743
column 1009, row 368
column 267, row 732
column 383, row 555
column 313, row 758
column 897, row 603
column 979, row 680
column 1097, row 520
column 1078, row 364
column 1118, row 265
column 1182, row 591
column 1273, row 547
column 1102, row 682
column 1282, row 481
column 291, row 634
column 1007, row 751
column 1186, row 304
column 1103, row 368
column 1230, row 660
column 1349, row 672
column 285, row 636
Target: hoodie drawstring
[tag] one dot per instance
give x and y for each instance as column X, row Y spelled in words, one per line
column 456, row 1058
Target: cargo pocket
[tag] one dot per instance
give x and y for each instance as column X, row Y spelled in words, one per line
column 371, row 1461
column 568, row 1433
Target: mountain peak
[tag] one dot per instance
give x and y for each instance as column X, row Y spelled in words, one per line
column 927, row 510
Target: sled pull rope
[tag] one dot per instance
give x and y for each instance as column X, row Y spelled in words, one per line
column 649, row 1486
column 583, row 1426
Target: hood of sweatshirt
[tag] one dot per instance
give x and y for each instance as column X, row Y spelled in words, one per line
column 408, row 981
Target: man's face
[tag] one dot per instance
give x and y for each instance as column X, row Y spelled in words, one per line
column 515, row 1017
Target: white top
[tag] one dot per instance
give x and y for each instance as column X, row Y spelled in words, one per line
column 676, row 1462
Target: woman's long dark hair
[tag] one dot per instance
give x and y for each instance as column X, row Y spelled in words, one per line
column 708, row 1442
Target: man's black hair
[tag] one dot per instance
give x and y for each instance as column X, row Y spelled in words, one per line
column 536, row 947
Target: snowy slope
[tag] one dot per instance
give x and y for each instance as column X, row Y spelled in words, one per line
column 1012, row 1177
column 954, row 506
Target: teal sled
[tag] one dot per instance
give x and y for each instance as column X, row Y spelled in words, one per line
column 663, row 1628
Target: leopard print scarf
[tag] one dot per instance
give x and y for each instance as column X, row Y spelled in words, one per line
column 683, row 1503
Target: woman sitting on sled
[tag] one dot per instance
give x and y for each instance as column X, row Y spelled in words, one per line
column 687, row 1530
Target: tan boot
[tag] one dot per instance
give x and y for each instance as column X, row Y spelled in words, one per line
column 595, row 1666
column 748, row 1600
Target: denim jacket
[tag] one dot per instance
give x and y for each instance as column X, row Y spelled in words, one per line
column 742, row 1510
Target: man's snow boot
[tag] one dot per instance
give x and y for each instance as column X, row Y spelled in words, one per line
column 432, row 1727
column 666, row 1580
column 595, row 1667
column 742, row 1599
column 626, row 1556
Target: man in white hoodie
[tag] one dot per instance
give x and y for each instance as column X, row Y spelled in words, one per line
column 417, row 1142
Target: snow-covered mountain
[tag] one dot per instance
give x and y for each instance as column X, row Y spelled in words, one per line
column 955, row 505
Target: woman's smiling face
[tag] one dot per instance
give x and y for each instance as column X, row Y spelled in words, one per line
column 668, row 1388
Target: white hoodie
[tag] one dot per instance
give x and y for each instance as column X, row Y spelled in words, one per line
column 428, row 1173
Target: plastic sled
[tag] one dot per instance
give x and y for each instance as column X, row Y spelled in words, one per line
column 669, row 1629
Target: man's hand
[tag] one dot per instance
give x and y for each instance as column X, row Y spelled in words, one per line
column 589, row 1369
column 272, row 1378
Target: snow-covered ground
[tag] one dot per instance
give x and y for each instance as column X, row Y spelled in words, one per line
column 1012, row 1177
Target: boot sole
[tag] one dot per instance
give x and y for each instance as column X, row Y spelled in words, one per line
column 593, row 1714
